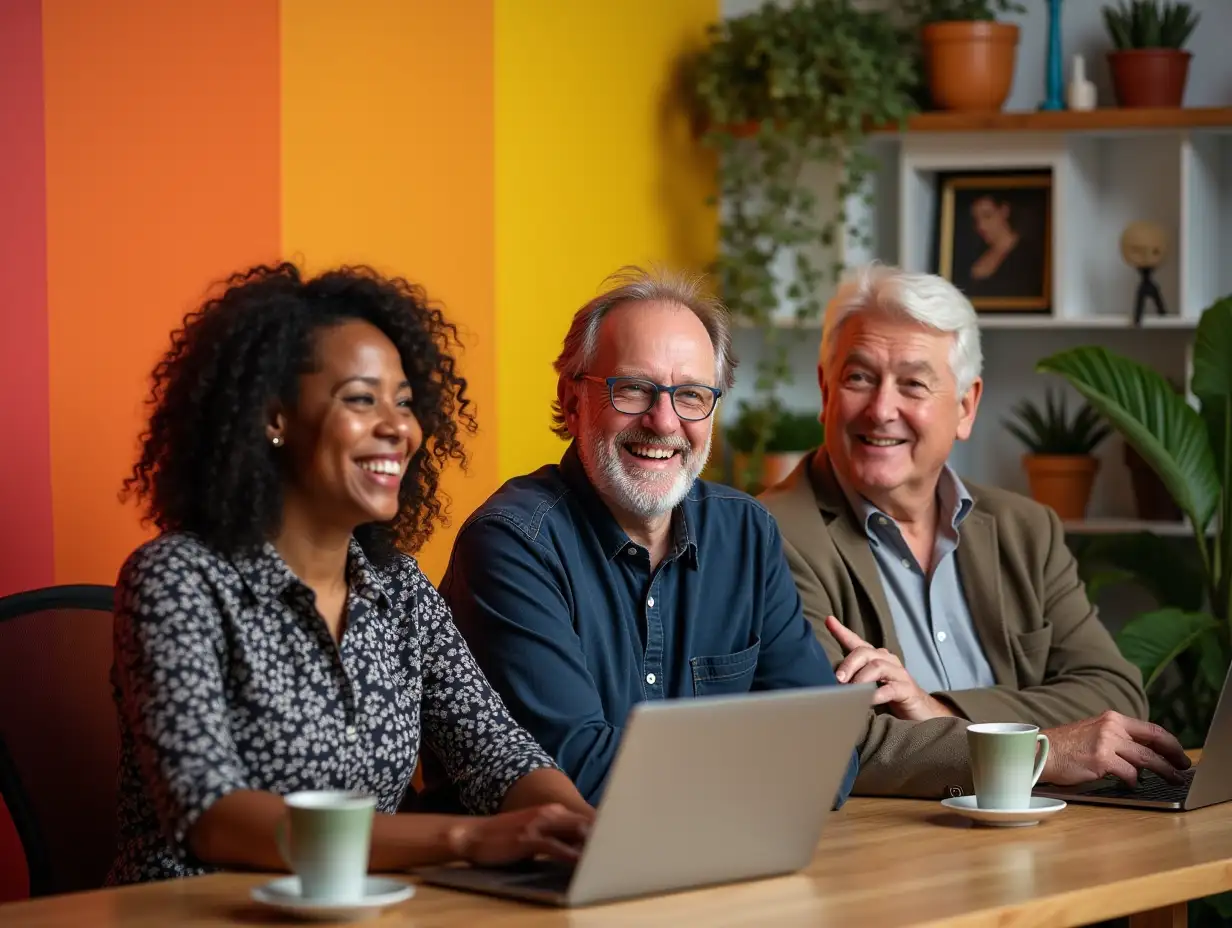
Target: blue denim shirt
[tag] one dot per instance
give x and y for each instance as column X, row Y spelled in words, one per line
column 573, row 629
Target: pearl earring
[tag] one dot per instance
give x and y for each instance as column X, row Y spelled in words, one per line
column 276, row 441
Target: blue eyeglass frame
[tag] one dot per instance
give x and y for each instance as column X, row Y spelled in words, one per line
column 658, row 388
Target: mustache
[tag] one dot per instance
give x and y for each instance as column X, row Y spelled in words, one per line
column 638, row 436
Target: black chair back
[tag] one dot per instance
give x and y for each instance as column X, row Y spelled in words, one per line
column 59, row 738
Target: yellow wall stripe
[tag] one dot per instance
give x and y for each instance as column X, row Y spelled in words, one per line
column 594, row 169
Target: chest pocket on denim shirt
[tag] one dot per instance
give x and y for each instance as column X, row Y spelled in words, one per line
column 726, row 673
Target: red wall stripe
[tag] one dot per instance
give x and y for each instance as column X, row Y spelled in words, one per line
column 26, row 559
column 162, row 177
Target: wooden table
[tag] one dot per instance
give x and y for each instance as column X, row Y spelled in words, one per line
column 881, row 862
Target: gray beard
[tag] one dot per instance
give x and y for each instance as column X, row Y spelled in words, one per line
column 643, row 496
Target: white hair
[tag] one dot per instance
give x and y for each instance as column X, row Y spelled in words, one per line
column 925, row 298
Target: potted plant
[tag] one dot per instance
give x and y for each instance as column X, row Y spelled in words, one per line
column 1149, row 64
column 768, row 441
column 968, row 56
column 786, row 94
column 1191, row 451
column 1059, row 462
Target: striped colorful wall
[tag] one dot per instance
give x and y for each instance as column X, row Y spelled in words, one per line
column 505, row 153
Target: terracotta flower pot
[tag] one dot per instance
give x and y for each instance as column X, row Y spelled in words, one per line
column 1149, row 76
column 1062, row 481
column 970, row 65
column 775, row 467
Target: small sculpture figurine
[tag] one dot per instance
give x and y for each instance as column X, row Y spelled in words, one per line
column 1143, row 245
column 1081, row 90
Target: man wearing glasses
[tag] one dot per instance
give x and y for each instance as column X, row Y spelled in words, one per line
column 618, row 576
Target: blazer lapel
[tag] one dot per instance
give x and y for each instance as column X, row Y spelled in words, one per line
column 852, row 542
column 979, row 571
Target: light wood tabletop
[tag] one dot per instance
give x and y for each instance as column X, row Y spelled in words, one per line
column 880, row 862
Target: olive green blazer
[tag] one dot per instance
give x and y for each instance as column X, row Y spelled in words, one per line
column 1054, row 662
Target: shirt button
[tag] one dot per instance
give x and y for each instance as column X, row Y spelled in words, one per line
column 881, row 520
column 650, row 602
column 650, row 678
column 941, row 636
column 906, row 563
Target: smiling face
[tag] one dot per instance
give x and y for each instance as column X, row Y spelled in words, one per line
column 351, row 433
column 891, row 409
column 643, row 465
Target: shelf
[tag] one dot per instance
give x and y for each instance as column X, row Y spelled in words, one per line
column 1010, row 321
column 1126, row 526
column 1107, row 119
column 1040, row 323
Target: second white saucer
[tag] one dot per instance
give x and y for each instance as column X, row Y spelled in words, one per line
column 1005, row 818
column 379, row 893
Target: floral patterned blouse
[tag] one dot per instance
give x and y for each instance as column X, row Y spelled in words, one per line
column 226, row 678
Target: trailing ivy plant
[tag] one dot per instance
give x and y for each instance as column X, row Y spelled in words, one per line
column 787, row 94
column 948, row 11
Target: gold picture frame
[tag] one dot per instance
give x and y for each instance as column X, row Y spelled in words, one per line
column 1011, row 221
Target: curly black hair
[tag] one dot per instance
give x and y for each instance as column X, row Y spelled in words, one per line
column 206, row 466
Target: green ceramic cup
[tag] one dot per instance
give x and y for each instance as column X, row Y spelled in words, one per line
column 1007, row 759
column 325, row 840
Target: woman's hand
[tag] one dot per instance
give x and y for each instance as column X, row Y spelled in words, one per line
column 550, row 830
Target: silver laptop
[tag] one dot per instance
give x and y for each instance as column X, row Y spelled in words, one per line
column 1206, row 783
column 703, row 790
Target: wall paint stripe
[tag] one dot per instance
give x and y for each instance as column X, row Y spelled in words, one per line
column 162, row 176
column 387, row 160
column 26, row 552
column 595, row 168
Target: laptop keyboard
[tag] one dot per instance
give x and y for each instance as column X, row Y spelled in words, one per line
column 1150, row 786
column 533, row 874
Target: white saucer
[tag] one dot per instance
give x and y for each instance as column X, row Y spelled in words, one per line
column 1005, row 818
column 379, row 893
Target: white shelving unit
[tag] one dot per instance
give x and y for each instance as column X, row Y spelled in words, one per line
column 1109, row 167
column 1105, row 174
column 1126, row 526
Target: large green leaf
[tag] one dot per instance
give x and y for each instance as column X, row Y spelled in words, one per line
column 1153, row 640
column 1212, row 373
column 1143, row 407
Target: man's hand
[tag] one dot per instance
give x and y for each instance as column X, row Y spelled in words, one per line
column 1111, row 744
column 866, row 664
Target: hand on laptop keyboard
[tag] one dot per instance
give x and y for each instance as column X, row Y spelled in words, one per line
column 1111, row 744
column 549, row 830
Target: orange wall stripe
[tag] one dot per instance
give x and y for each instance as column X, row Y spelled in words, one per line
column 26, row 559
column 387, row 160
column 162, row 176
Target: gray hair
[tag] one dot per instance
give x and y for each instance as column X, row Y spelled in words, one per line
column 926, row 298
column 632, row 284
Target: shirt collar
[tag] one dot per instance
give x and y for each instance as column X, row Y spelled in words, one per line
column 612, row 538
column 952, row 496
column 268, row 576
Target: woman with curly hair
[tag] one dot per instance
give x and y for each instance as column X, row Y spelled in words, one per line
column 273, row 637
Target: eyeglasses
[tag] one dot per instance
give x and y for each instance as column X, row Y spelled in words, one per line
column 634, row 396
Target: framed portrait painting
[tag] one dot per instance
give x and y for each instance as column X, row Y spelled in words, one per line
column 994, row 238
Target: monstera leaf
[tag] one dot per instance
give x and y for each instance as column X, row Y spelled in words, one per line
column 1169, row 434
column 1153, row 640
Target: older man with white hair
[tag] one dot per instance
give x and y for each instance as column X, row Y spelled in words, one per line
column 618, row 576
column 962, row 602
